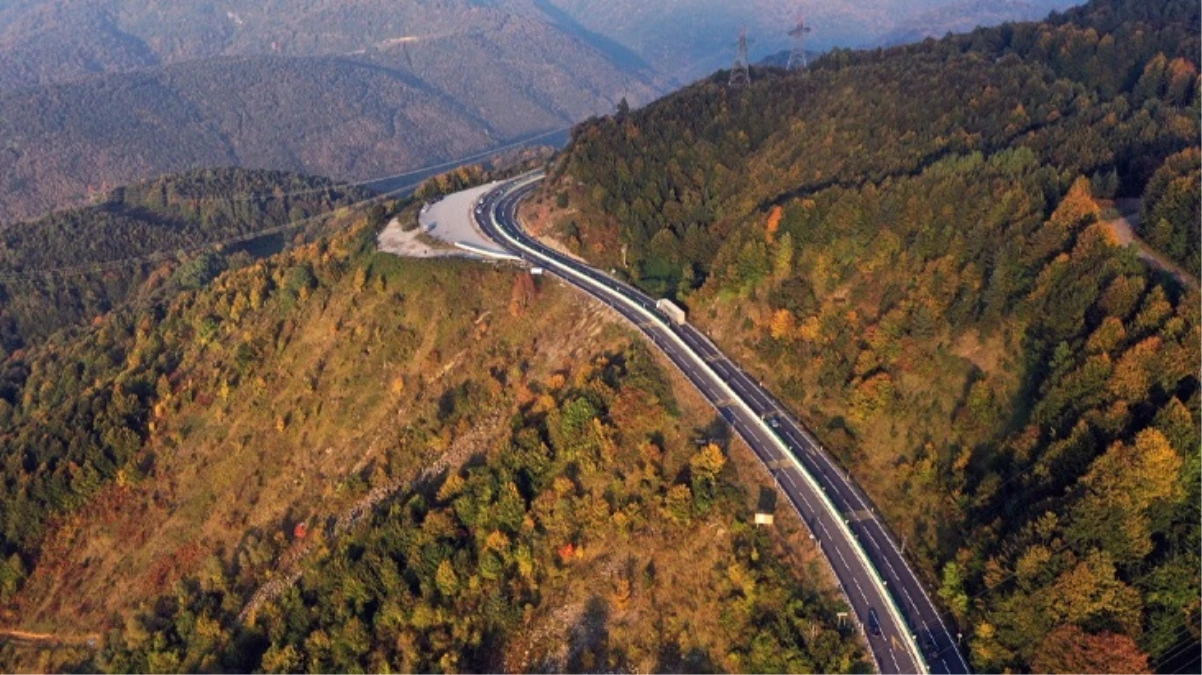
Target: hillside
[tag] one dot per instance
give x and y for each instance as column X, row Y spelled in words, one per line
column 107, row 92
column 399, row 87
column 52, row 41
column 381, row 462
column 906, row 245
column 72, row 266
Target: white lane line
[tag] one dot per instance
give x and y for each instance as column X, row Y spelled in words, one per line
column 861, row 590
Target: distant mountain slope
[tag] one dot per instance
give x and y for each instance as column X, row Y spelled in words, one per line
column 329, row 115
column 49, row 41
column 689, row 38
column 961, row 16
column 350, row 90
column 58, row 271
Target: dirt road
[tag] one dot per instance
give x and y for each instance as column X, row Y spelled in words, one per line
column 1125, row 229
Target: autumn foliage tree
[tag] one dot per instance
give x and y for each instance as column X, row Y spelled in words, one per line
column 1069, row 649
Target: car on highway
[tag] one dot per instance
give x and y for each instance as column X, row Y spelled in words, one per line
column 874, row 624
column 927, row 644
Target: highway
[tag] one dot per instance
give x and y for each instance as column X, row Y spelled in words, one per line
column 903, row 627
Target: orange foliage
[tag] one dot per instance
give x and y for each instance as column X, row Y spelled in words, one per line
column 773, row 224
column 566, row 553
column 522, row 295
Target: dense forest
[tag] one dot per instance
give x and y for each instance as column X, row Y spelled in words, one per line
column 72, row 266
column 913, row 246
column 1171, row 210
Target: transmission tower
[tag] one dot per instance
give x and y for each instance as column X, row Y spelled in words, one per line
column 740, row 75
column 797, row 57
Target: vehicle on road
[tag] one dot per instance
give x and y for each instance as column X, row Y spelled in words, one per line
column 927, row 644
column 874, row 624
column 671, row 310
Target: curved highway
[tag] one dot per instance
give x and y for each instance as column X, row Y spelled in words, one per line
column 904, row 629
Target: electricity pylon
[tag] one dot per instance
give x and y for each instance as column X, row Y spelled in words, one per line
column 741, row 75
column 797, row 58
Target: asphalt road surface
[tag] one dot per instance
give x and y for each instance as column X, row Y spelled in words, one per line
column 904, row 628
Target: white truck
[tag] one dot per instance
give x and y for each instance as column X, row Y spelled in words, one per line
column 671, row 310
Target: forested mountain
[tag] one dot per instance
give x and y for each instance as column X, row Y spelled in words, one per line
column 911, row 247
column 72, row 266
column 349, row 90
column 107, row 92
column 328, row 115
column 335, row 460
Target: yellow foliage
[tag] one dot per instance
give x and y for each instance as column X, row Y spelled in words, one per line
column 544, row 403
column 1128, row 480
column 783, row 324
column 708, row 462
column 451, row 487
column 741, row 579
column 1091, row 590
column 621, row 594
column 1134, row 371
column 810, row 329
column 497, row 541
column 1078, row 206
column 563, row 486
